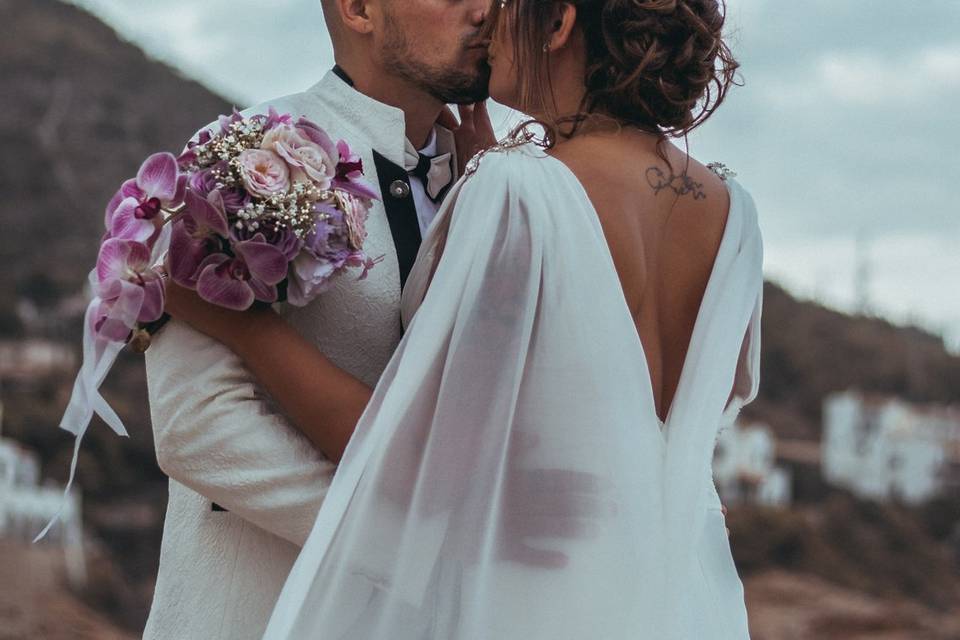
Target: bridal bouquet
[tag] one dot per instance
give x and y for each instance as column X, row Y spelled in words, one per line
column 265, row 209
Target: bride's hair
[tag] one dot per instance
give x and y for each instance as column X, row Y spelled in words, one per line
column 658, row 65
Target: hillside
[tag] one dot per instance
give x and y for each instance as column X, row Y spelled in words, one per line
column 81, row 111
column 809, row 351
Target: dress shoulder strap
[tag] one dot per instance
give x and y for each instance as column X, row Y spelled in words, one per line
column 723, row 172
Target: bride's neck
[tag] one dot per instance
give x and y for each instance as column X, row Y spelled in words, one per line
column 575, row 125
column 564, row 107
column 565, row 93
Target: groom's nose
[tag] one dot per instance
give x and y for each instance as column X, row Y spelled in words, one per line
column 478, row 15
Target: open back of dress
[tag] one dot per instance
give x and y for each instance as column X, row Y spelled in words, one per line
column 519, row 402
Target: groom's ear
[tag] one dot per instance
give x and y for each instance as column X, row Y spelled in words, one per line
column 357, row 15
column 562, row 23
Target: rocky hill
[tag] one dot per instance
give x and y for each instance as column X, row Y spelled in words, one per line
column 81, row 110
column 809, row 351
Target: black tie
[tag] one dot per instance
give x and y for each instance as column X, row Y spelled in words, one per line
column 423, row 167
column 434, row 186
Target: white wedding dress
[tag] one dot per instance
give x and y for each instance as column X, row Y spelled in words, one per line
column 522, row 366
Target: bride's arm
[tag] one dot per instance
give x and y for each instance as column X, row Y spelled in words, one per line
column 323, row 401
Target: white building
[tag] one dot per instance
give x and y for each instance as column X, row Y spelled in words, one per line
column 32, row 358
column 884, row 448
column 26, row 507
column 744, row 469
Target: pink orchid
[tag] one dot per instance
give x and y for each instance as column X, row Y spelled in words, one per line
column 134, row 212
column 130, row 291
column 195, row 236
column 225, row 121
column 274, row 118
column 189, row 155
column 349, row 176
column 253, row 273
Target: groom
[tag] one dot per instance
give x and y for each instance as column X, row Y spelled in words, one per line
column 245, row 487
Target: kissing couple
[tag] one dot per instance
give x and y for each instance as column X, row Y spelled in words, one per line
column 506, row 430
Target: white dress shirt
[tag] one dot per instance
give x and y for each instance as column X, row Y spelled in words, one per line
column 426, row 208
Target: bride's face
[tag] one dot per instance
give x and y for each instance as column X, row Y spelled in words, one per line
column 533, row 54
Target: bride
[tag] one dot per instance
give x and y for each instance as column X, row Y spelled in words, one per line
column 587, row 302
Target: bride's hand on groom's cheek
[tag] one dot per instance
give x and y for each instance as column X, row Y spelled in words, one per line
column 473, row 132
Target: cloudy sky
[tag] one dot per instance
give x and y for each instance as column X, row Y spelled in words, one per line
column 847, row 131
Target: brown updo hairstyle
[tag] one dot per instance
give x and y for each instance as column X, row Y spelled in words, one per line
column 659, row 65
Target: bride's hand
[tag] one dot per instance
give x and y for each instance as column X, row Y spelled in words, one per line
column 225, row 325
column 473, row 132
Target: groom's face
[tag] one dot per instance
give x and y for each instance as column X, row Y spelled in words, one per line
column 437, row 46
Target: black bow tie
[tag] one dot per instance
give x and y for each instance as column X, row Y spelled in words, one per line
column 434, row 172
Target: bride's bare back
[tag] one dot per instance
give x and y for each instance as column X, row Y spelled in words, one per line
column 663, row 225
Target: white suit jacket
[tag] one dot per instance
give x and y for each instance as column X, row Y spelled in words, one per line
column 245, row 487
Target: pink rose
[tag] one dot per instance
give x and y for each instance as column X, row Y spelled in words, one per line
column 264, row 173
column 300, row 147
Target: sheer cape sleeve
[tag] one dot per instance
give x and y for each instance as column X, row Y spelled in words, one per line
column 520, row 371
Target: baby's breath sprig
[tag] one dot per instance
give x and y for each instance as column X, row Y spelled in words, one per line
column 238, row 137
column 295, row 210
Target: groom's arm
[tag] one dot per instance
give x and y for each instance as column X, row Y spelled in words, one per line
column 217, row 432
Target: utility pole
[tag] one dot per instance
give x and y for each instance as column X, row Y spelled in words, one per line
column 863, row 274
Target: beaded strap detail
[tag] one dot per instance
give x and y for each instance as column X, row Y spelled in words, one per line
column 721, row 170
column 519, row 140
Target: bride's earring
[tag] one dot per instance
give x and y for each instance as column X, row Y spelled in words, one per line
column 546, row 48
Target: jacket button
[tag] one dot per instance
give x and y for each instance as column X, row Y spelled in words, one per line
column 399, row 189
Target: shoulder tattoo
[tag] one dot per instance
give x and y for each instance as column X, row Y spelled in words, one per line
column 680, row 184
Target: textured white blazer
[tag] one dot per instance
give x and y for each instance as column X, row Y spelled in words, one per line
column 245, row 487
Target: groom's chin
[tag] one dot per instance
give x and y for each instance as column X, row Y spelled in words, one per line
column 470, row 97
column 469, row 89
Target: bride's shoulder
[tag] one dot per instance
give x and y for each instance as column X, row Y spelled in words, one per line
column 522, row 170
column 514, row 184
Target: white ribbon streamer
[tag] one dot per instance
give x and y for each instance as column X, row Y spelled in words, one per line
column 99, row 356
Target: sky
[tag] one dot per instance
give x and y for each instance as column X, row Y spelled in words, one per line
column 846, row 131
